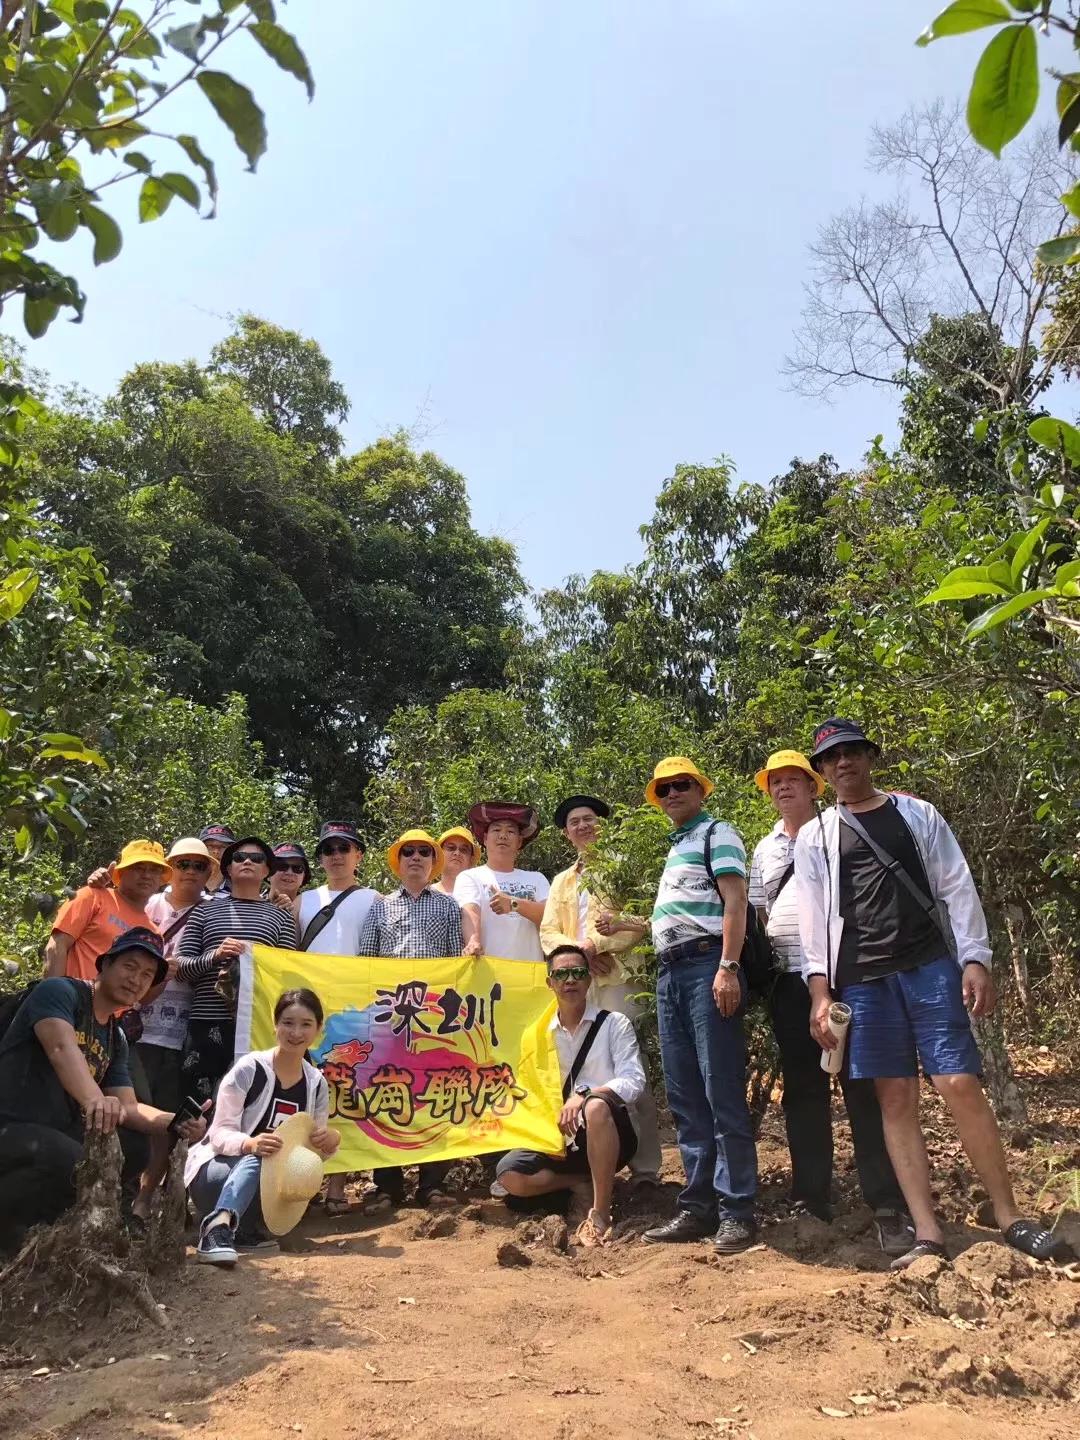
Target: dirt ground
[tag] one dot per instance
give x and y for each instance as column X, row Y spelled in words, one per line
column 369, row 1328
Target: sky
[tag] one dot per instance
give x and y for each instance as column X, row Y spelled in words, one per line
column 563, row 239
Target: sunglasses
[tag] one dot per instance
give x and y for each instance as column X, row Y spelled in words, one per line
column 192, row 864
column 249, row 857
column 424, row 851
column 335, row 848
column 571, row 972
column 664, row 789
column 294, row 867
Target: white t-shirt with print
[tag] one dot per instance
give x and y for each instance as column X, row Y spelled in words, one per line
column 342, row 935
column 165, row 1020
column 509, row 936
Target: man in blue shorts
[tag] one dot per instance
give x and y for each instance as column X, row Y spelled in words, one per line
column 892, row 926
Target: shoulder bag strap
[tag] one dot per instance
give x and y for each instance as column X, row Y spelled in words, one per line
column 179, row 922
column 890, row 863
column 784, row 878
column 710, row 831
column 318, row 922
column 583, row 1053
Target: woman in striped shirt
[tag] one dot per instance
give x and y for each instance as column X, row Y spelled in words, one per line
column 213, row 940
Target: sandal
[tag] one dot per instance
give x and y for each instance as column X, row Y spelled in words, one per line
column 594, row 1230
column 436, row 1198
column 377, row 1202
column 920, row 1249
column 336, row 1208
column 1030, row 1238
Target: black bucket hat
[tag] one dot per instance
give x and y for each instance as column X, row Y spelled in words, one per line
column 290, row 850
column 137, row 938
column 839, row 732
column 230, row 850
column 579, row 802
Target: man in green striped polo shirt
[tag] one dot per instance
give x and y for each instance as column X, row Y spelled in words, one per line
column 698, row 926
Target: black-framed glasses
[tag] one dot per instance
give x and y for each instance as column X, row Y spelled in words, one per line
column 665, row 787
column 294, row 867
column 248, row 857
column 571, row 972
column 336, row 847
column 198, row 865
column 424, row 851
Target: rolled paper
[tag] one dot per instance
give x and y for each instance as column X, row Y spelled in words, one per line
column 839, row 1020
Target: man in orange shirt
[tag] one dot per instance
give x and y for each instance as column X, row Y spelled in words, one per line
column 87, row 925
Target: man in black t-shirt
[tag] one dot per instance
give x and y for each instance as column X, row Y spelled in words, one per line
column 891, row 925
column 64, row 1071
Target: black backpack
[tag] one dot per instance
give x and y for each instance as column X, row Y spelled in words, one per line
column 757, row 959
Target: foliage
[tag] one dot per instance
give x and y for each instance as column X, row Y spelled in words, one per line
column 83, row 84
column 328, row 591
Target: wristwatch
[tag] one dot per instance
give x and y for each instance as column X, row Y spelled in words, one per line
column 513, row 904
column 583, row 1090
column 731, row 965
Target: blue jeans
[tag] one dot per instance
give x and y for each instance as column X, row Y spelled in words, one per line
column 704, row 1058
column 228, row 1182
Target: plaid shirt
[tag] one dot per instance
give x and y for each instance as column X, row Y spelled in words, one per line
column 401, row 927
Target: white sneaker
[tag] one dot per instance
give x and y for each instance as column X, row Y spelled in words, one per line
column 497, row 1191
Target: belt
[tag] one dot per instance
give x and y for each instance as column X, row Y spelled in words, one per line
column 689, row 949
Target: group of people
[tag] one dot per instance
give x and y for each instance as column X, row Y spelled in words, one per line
column 869, row 903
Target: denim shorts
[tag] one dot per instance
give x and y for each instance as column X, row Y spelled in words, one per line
column 915, row 1017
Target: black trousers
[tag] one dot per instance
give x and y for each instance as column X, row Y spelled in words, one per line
column 808, row 1111
column 37, row 1169
column 391, row 1179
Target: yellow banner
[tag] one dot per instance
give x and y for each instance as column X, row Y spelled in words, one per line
column 424, row 1059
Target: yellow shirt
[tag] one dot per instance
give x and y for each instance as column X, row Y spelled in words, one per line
column 561, row 922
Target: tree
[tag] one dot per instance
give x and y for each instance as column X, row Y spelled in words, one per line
column 962, row 243
column 84, row 81
column 328, row 593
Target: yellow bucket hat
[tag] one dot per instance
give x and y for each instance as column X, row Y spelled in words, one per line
column 671, row 767
column 141, row 852
column 415, row 837
column 459, row 832
column 780, row 760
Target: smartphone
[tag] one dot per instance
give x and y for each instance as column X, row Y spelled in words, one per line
column 190, row 1109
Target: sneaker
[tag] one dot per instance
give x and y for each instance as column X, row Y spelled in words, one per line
column 216, row 1246
column 895, row 1231
column 684, row 1225
column 1029, row 1237
column 497, row 1190
column 255, row 1242
column 734, row 1235
column 919, row 1251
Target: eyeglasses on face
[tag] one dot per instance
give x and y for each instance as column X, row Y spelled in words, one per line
column 570, row 972
column 197, row 865
column 456, row 847
column 336, row 847
column 664, row 789
column 294, row 867
column 424, row 851
column 249, row 857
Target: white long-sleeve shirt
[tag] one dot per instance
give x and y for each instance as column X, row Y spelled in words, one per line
column 817, row 887
column 614, row 1061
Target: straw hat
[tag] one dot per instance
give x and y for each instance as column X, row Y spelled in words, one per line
column 290, row 1178
column 669, row 769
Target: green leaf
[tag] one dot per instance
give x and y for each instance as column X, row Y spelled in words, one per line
column 1058, row 436
column 61, row 220
column 138, row 161
column 1007, row 610
column 38, row 315
column 236, row 106
column 1062, row 251
column 106, row 233
column 844, row 551
column 75, row 750
column 1071, row 200
column 1066, row 573
column 190, row 147
column 16, row 591
column 962, row 590
column 1000, row 572
column 1025, row 550
column 283, row 49
column 182, row 185
column 1005, row 88
column 187, row 39
column 91, row 10
column 154, row 199
column 965, row 15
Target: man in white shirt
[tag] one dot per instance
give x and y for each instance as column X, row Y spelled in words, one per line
column 330, row 919
column 340, row 852
column 502, row 906
column 602, row 1077
column 794, row 788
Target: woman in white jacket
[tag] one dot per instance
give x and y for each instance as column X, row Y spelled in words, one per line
column 259, row 1092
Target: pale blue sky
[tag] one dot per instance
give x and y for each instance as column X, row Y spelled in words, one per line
column 570, row 232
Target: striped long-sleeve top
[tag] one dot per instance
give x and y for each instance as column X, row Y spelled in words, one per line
column 256, row 920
